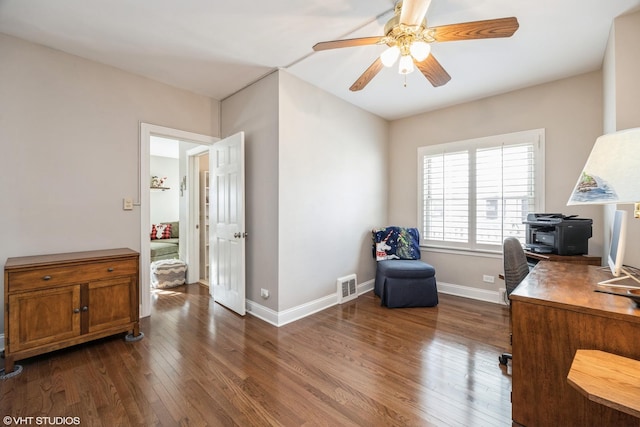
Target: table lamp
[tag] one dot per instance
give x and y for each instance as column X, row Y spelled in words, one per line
column 612, row 175
column 612, row 172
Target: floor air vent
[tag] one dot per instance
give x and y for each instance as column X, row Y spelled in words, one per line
column 347, row 288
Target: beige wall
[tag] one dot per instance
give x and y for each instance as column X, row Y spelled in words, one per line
column 69, row 148
column 254, row 111
column 316, row 185
column 622, row 92
column 627, row 58
column 569, row 110
column 332, row 190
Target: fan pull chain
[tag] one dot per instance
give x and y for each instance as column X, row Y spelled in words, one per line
column 405, row 80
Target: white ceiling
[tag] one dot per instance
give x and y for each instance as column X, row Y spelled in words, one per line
column 216, row 48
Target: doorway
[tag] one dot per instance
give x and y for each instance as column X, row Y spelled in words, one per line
column 198, row 175
column 189, row 233
column 203, row 211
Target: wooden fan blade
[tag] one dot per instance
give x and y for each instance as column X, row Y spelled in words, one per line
column 367, row 76
column 433, row 71
column 491, row 28
column 335, row 44
column 412, row 12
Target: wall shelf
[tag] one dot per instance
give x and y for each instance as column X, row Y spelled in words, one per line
column 160, row 188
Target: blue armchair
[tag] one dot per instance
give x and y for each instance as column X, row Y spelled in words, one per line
column 402, row 280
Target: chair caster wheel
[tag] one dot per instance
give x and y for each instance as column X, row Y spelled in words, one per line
column 504, row 359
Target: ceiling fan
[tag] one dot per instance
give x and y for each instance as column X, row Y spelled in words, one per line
column 409, row 38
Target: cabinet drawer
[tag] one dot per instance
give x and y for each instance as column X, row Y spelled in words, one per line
column 48, row 277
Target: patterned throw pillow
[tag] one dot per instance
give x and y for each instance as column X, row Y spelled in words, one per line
column 160, row 231
column 396, row 243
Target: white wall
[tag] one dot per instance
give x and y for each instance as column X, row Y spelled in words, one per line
column 165, row 204
column 571, row 112
column 69, row 148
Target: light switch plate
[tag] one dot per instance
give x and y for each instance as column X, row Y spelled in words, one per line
column 127, row 204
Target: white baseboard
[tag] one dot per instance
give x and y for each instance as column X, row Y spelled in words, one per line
column 469, row 292
column 280, row 318
column 365, row 287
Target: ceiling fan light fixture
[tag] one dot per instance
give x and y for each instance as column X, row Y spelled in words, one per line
column 408, row 37
column 406, row 64
column 420, row 50
column 389, row 56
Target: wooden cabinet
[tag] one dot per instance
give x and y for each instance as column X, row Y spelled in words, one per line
column 554, row 313
column 55, row 301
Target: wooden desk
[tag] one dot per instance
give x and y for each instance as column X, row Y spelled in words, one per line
column 607, row 379
column 571, row 259
column 556, row 312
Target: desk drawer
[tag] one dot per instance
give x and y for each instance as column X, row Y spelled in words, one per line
column 47, row 277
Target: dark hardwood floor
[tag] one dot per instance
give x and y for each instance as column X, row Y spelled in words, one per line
column 356, row 364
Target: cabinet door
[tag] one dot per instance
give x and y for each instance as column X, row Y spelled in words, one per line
column 42, row 317
column 110, row 303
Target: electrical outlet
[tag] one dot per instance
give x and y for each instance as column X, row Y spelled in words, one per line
column 264, row 293
column 488, row 279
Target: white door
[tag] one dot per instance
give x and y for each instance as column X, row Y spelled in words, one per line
column 226, row 223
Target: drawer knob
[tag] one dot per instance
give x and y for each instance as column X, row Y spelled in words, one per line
column 46, row 278
column 110, row 269
column 85, row 308
column 76, row 310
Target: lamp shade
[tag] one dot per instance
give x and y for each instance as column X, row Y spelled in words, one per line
column 612, row 171
column 420, row 50
column 389, row 56
column 406, row 64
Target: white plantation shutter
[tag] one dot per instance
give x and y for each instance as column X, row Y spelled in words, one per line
column 446, row 195
column 505, row 189
column 475, row 193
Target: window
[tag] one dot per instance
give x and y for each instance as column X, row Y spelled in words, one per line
column 474, row 193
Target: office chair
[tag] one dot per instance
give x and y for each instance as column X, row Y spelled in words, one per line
column 516, row 269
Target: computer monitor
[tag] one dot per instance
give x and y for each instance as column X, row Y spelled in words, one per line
column 615, row 257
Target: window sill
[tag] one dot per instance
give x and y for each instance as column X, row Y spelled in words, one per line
column 485, row 253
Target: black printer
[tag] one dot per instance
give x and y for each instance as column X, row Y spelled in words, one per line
column 554, row 233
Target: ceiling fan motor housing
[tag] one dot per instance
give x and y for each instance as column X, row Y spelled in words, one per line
column 397, row 34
